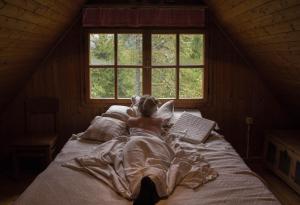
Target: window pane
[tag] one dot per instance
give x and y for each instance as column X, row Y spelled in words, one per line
column 164, row 82
column 163, row 49
column 101, row 49
column 130, row 49
column 102, row 83
column 191, row 83
column 191, row 49
column 129, row 82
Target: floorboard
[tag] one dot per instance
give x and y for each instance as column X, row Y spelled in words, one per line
column 284, row 193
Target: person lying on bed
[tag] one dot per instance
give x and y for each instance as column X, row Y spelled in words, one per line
column 145, row 167
column 146, row 123
column 147, row 106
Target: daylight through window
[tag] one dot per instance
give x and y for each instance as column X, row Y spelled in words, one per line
column 166, row 65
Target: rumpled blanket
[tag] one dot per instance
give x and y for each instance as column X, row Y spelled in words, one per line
column 122, row 162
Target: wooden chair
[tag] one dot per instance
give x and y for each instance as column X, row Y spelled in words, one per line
column 40, row 132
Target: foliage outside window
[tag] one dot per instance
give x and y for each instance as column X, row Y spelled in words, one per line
column 166, row 65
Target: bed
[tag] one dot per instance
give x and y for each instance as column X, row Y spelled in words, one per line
column 236, row 184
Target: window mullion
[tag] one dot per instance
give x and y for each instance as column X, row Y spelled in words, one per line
column 146, row 62
column 177, row 66
column 116, row 64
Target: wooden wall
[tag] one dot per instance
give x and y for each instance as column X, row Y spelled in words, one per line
column 59, row 76
column 28, row 29
column 268, row 31
column 235, row 92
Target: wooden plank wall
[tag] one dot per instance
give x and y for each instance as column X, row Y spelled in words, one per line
column 28, row 29
column 235, row 91
column 268, row 31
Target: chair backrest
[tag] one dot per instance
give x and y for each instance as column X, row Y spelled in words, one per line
column 41, row 115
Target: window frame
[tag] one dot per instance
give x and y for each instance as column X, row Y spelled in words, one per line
column 146, row 65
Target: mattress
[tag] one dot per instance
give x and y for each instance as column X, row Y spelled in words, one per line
column 235, row 185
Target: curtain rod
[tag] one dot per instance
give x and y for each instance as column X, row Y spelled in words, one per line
column 136, row 6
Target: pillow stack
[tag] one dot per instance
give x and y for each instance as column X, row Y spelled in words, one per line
column 113, row 122
column 103, row 129
column 119, row 112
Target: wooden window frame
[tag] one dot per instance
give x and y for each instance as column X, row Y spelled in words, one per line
column 146, row 66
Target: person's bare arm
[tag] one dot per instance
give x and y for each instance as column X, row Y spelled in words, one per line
column 132, row 122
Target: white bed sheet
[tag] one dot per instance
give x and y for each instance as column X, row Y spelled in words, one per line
column 235, row 185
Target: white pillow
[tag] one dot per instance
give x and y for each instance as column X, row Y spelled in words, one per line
column 195, row 129
column 104, row 128
column 165, row 111
column 118, row 112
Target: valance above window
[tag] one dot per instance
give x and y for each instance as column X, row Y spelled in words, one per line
column 143, row 17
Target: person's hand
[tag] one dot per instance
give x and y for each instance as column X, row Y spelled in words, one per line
column 165, row 121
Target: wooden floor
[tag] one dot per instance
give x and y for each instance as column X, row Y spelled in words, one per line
column 10, row 189
column 285, row 194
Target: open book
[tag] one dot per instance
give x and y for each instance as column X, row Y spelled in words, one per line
column 192, row 128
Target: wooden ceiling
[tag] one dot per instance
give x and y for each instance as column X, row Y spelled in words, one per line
column 268, row 33
column 28, row 30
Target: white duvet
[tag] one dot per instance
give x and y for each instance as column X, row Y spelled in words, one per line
column 122, row 162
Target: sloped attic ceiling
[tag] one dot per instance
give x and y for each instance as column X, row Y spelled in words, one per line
column 268, row 32
column 28, row 29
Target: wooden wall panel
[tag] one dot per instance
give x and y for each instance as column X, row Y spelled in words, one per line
column 267, row 31
column 235, row 92
column 28, row 30
column 58, row 77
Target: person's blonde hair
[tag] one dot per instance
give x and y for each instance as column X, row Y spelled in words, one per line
column 147, row 105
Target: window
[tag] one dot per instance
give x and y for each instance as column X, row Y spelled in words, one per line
column 168, row 65
column 115, row 65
